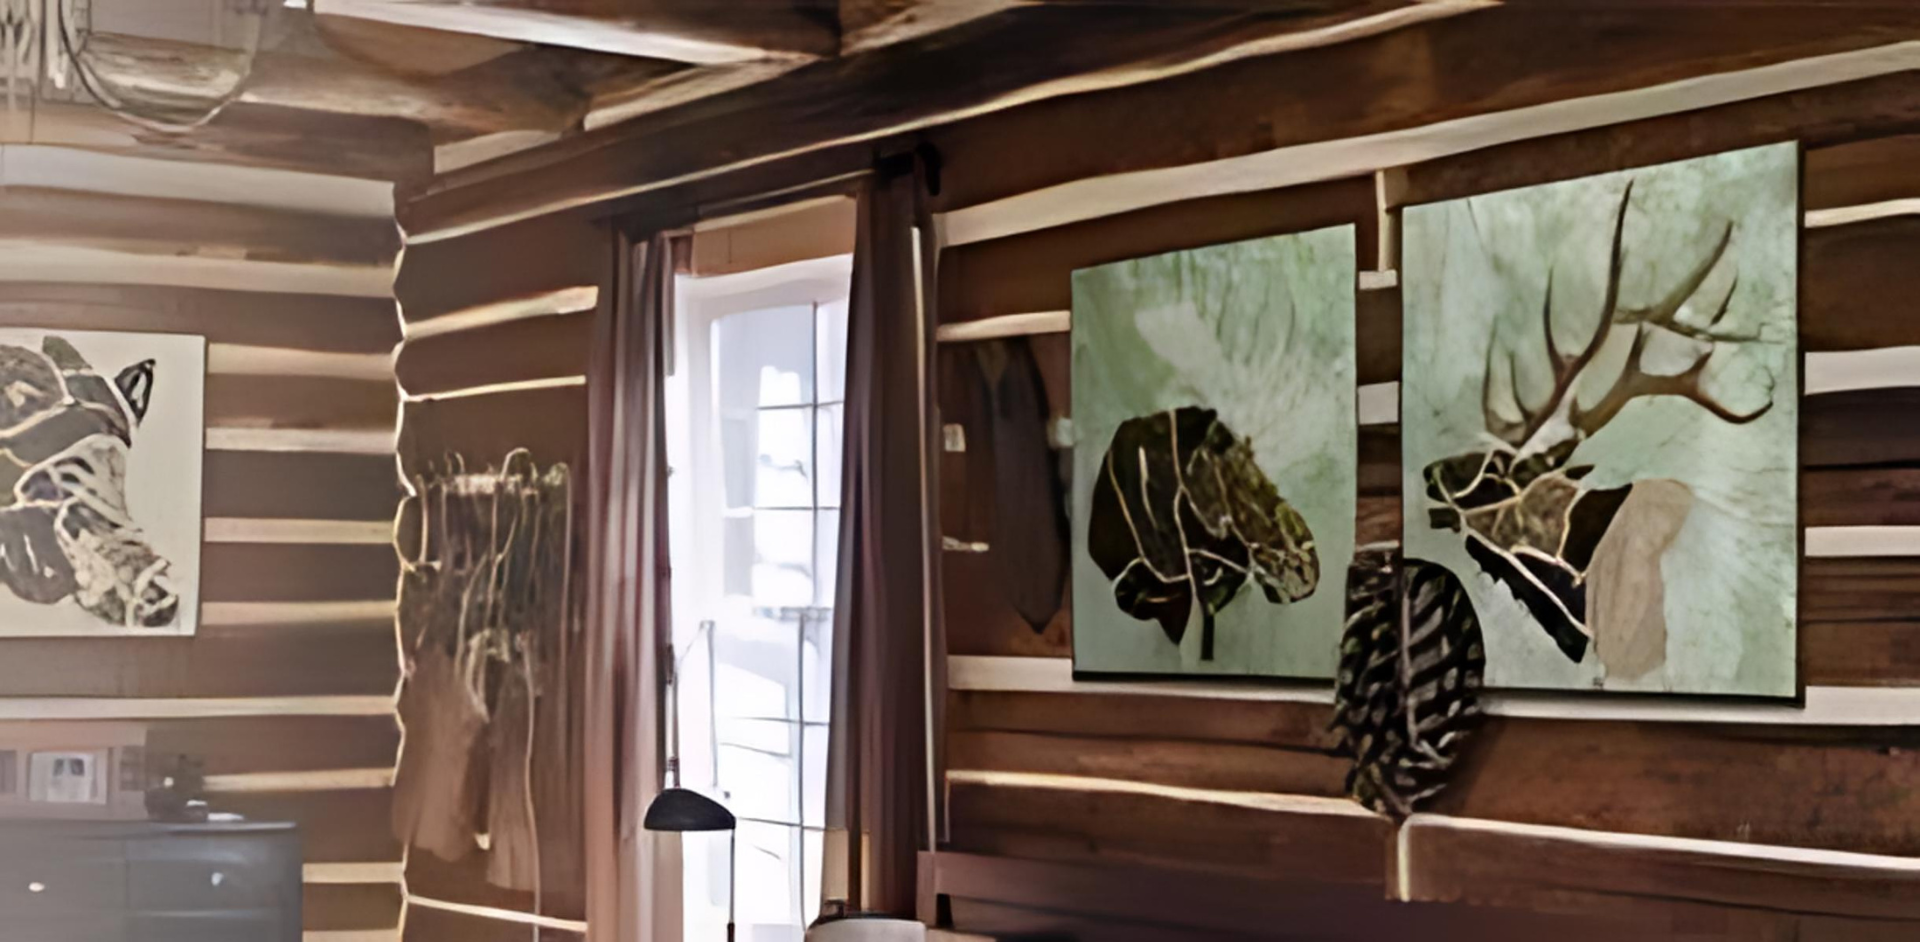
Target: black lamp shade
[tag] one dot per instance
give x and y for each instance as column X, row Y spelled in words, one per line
column 677, row 809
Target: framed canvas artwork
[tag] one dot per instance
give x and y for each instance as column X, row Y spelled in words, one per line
column 1599, row 412
column 1214, row 462
column 100, row 467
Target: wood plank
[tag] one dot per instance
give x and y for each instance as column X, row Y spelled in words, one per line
column 302, row 402
column 239, row 745
column 1860, row 427
column 135, row 175
column 531, row 258
column 345, row 907
column 149, row 225
column 302, row 486
column 780, row 236
column 1187, row 763
column 1861, row 172
column 1869, row 496
column 349, row 825
column 436, row 925
column 329, row 323
column 221, row 661
column 1294, row 725
column 1114, row 898
column 292, row 572
column 1855, row 286
column 250, row 135
column 531, row 349
column 551, row 423
column 1493, row 863
column 26, row 259
column 1879, row 589
column 651, row 29
column 1676, row 780
column 1094, row 820
column 1860, row 653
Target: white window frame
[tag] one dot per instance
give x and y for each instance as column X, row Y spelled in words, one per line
column 700, row 303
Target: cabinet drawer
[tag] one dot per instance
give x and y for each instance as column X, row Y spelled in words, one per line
column 187, row 874
column 74, row 927
column 262, row 925
column 48, row 877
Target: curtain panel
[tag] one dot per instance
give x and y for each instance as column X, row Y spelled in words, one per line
column 878, row 777
column 633, row 875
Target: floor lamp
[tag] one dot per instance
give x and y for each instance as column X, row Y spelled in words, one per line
column 679, row 810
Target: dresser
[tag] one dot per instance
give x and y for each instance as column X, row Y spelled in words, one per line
column 139, row 881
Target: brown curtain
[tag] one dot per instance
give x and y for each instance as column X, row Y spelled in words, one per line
column 633, row 875
column 877, row 787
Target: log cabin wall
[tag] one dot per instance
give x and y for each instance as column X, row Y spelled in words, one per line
column 286, row 691
column 1147, row 810
column 498, row 328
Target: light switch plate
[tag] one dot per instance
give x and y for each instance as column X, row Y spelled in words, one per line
column 67, row 778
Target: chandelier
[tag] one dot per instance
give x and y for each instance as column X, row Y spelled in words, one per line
column 168, row 65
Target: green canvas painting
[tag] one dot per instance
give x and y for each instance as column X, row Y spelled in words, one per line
column 1599, row 414
column 1214, row 458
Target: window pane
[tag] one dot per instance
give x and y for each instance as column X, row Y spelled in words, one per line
column 831, row 451
column 828, row 553
column 759, row 663
column 832, row 368
column 768, row 868
column 783, row 557
column 764, row 358
column 813, row 785
column 811, row 845
column 758, row 784
column 736, row 552
column 817, row 667
column 783, row 467
column 704, row 869
column 695, row 700
column 739, row 443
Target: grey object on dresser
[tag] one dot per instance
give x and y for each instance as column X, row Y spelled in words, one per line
column 141, row 881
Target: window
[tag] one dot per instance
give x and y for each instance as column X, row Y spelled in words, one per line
column 754, row 439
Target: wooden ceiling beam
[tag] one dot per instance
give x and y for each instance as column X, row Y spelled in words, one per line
column 698, row 34
column 244, row 134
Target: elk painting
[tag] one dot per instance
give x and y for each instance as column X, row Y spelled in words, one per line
column 1214, row 458
column 1600, row 422
column 99, row 482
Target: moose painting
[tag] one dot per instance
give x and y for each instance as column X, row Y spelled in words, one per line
column 1215, row 458
column 100, row 440
column 1600, row 422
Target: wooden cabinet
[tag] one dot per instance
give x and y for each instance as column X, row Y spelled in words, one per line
column 74, row 881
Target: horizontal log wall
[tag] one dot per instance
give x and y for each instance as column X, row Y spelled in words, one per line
column 498, row 331
column 285, row 693
column 1734, row 822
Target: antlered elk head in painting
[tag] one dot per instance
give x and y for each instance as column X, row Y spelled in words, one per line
column 1527, row 519
column 1615, row 457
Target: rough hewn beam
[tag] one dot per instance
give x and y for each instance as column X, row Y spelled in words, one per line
column 703, row 34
